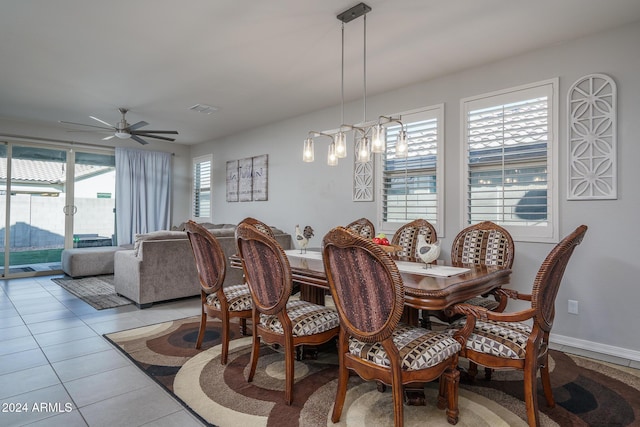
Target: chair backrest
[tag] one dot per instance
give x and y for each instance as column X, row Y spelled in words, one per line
column 365, row 284
column 483, row 243
column 407, row 238
column 261, row 226
column 547, row 281
column 266, row 269
column 362, row 227
column 209, row 257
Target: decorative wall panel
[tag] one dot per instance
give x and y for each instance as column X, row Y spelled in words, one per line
column 362, row 179
column 591, row 106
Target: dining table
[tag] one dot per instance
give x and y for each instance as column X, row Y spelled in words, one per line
column 432, row 287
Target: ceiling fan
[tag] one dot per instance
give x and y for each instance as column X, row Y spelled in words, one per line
column 124, row 130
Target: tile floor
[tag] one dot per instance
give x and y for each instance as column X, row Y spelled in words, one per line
column 56, row 369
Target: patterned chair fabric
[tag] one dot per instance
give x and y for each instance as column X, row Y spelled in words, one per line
column 500, row 339
column 362, row 227
column 276, row 319
column 368, row 293
column 485, row 243
column 306, row 319
column 238, row 297
column 407, row 237
column 419, row 348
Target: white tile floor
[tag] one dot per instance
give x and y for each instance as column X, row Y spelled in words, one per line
column 52, row 353
column 56, row 369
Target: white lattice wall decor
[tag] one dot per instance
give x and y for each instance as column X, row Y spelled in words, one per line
column 591, row 106
column 362, row 178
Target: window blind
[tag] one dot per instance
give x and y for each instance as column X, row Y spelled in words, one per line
column 409, row 185
column 507, row 146
column 202, row 189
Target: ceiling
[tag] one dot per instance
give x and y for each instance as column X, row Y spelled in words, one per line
column 255, row 61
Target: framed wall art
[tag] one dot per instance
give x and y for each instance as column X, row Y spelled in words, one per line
column 232, row 181
column 247, row 179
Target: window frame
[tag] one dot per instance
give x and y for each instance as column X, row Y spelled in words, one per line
column 546, row 234
column 196, row 161
column 435, row 112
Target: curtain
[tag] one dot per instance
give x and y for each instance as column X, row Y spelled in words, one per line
column 143, row 192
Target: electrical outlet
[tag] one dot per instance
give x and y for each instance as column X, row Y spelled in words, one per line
column 573, row 307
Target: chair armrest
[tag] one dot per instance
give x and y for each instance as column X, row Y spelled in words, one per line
column 473, row 312
column 510, row 293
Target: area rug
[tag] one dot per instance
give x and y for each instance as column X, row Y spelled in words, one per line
column 587, row 392
column 97, row 291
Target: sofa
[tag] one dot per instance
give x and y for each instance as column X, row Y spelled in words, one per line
column 161, row 266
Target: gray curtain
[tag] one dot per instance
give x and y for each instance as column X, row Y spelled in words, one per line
column 143, row 192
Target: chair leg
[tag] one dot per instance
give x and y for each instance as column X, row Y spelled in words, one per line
column 255, row 353
column 243, row 326
column 488, row 372
column 225, row 338
column 289, row 366
column 452, row 381
column 531, row 394
column 398, row 400
column 473, row 370
column 203, row 327
column 341, row 392
column 546, row 383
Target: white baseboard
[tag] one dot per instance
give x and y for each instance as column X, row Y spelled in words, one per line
column 611, row 350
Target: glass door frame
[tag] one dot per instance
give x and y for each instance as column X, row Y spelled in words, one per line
column 69, row 206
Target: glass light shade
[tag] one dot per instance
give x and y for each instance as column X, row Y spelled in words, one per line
column 364, row 150
column 332, row 159
column 377, row 139
column 401, row 144
column 307, row 152
column 341, row 145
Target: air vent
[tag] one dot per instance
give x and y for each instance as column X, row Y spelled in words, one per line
column 204, row 109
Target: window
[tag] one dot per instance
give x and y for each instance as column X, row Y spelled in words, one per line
column 410, row 188
column 202, row 187
column 510, row 156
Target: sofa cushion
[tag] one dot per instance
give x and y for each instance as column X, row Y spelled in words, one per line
column 156, row 235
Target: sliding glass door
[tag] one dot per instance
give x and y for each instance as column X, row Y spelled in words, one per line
column 52, row 199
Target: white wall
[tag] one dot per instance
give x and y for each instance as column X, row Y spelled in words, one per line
column 603, row 275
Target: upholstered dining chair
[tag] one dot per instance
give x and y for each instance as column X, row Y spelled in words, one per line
column 368, row 292
column 520, row 340
column 261, row 226
column 407, row 237
column 276, row 319
column 485, row 243
column 224, row 303
column 362, row 227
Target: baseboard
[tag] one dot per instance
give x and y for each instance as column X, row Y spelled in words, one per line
column 610, row 350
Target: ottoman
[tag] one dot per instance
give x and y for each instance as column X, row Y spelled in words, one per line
column 93, row 261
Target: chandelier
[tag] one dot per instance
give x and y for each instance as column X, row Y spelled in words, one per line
column 369, row 137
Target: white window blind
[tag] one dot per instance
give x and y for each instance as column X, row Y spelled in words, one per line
column 410, row 186
column 202, row 187
column 508, row 140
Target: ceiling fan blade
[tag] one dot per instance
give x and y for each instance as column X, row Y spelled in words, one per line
column 140, row 140
column 101, row 121
column 174, row 132
column 111, row 128
column 152, row 136
column 106, row 138
column 138, row 125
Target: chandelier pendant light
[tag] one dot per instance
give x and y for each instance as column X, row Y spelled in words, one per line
column 364, row 145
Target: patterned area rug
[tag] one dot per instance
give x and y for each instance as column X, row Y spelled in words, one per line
column 97, row 291
column 587, row 393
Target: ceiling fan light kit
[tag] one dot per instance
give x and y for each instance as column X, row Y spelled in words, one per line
column 123, row 130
